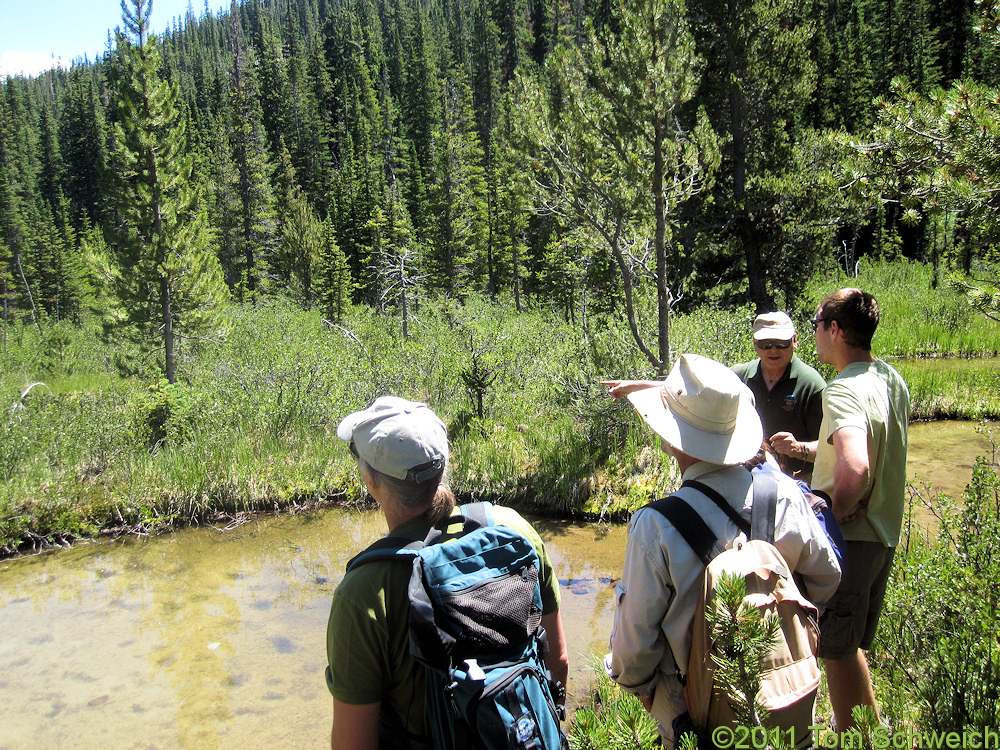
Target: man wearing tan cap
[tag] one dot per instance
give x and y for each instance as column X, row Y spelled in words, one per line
column 706, row 420
column 788, row 393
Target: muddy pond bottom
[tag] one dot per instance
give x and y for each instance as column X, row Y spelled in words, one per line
column 210, row 639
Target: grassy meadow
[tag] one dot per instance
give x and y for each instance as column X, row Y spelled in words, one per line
column 251, row 424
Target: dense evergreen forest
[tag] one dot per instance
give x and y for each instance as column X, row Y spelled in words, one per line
column 563, row 152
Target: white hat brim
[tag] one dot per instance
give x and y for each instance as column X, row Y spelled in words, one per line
column 728, row 449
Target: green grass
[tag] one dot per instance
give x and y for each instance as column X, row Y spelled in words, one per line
column 251, row 424
column 918, row 319
column 968, row 392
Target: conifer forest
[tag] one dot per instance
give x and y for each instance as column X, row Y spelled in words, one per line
column 562, row 152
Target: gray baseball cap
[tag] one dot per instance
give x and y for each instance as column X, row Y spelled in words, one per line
column 400, row 438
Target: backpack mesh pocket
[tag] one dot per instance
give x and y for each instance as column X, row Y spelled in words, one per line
column 495, row 613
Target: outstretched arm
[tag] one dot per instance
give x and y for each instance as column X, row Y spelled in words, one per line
column 618, row 389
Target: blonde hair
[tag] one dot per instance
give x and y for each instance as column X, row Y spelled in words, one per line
column 432, row 496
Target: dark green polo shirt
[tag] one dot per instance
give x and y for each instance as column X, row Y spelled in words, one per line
column 794, row 405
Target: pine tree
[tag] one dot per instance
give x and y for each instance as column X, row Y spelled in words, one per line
column 607, row 146
column 7, row 286
column 357, row 137
column 510, row 208
column 83, row 142
column 247, row 140
column 303, row 239
column 14, row 221
column 334, row 285
column 758, row 80
column 456, row 255
column 51, row 174
column 167, row 282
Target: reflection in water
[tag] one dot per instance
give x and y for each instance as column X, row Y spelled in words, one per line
column 204, row 639
column 942, row 453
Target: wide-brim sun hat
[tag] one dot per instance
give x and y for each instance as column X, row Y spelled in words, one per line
column 774, row 326
column 403, row 439
column 704, row 410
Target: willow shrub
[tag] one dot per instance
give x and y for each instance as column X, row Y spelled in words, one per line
column 936, row 660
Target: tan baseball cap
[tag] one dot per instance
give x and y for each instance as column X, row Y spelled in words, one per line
column 774, row 325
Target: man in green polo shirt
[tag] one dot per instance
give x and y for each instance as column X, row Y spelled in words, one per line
column 378, row 688
column 861, row 466
column 788, row 393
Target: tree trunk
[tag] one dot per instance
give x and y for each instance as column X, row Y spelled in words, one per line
column 170, row 366
column 663, row 300
column 633, row 327
column 517, row 273
column 404, row 308
column 756, row 275
column 31, row 300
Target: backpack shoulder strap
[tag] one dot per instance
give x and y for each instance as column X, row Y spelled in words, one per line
column 764, row 508
column 689, row 525
column 386, row 548
column 472, row 516
column 721, row 503
column 481, row 512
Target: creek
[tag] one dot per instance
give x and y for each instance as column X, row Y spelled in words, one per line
column 210, row 638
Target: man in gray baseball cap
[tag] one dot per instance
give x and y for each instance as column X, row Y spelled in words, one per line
column 379, row 690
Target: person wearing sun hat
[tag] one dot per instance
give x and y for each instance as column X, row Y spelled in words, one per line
column 706, row 420
column 787, row 392
column 378, row 688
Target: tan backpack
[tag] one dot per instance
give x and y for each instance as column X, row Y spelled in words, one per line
column 790, row 676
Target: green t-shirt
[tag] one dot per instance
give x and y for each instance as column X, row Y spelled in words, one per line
column 366, row 637
column 873, row 397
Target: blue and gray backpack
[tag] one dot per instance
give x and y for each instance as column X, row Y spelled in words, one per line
column 475, row 624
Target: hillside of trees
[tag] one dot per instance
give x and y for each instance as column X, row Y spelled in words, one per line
column 386, row 152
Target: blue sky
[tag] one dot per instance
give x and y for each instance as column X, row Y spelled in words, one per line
column 35, row 34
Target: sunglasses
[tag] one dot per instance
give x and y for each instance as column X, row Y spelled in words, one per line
column 816, row 321
column 768, row 345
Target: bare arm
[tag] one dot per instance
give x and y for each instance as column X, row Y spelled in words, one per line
column 557, row 660
column 355, row 727
column 786, row 444
column 618, row 389
column 850, row 475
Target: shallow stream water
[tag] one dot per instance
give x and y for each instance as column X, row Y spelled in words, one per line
column 216, row 639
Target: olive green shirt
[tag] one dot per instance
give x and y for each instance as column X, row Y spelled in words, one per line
column 367, row 639
column 873, row 397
